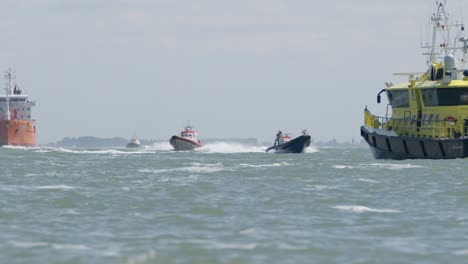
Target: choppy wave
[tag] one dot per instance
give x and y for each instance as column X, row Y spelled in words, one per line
column 364, row 209
column 247, row 231
column 143, row 258
column 463, row 252
column 120, row 151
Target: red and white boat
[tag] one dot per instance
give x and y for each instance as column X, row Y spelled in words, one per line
column 187, row 140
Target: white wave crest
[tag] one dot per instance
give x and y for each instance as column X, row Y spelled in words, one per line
column 29, row 244
column 121, row 151
column 343, row 167
column 247, row 231
column 70, row 246
column 195, row 168
column 463, row 252
column 55, row 187
column 224, row 147
column 392, row 166
column 367, row 180
column 364, row 209
column 250, row 246
column 280, row 164
column 19, row 147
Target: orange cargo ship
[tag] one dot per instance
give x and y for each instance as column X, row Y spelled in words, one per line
column 17, row 128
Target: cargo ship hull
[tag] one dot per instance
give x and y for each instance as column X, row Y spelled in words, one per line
column 17, row 133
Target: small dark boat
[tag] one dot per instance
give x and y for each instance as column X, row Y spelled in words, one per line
column 188, row 140
column 297, row 145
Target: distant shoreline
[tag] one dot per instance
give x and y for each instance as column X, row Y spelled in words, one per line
column 116, row 142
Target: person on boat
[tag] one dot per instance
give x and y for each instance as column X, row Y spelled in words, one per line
column 304, row 132
column 279, row 138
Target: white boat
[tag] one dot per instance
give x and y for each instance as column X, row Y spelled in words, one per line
column 134, row 143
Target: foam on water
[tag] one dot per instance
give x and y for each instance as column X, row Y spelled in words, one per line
column 363, row 209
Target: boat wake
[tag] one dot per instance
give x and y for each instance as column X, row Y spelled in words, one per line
column 164, row 146
column 224, row 147
column 311, row 149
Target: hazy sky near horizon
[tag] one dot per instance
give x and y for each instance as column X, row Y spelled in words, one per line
column 240, row 68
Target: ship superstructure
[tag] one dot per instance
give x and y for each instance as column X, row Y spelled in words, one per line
column 427, row 117
column 17, row 127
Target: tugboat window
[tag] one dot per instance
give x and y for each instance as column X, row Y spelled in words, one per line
column 445, row 96
column 399, row 98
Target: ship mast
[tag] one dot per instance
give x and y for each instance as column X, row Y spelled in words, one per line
column 9, row 80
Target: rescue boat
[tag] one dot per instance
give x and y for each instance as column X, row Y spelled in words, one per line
column 187, row 140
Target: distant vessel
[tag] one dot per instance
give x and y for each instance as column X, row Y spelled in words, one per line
column 429, row 113
column 187, row 140
column 17, row 128
column 134, row 143
column 285, row 144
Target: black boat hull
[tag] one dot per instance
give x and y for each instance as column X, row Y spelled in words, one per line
column 297, row 145
column 133, row 145
column 398, row 147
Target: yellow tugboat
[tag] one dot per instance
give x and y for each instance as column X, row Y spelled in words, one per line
column 427, row 117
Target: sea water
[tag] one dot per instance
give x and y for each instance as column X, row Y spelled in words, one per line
column 228, row 203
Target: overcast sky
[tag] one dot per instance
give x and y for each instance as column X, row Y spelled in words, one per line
column 234, row 68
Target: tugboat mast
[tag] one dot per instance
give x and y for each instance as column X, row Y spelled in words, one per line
column 441, row 25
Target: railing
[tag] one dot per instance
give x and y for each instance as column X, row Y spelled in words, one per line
column 418, row 128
